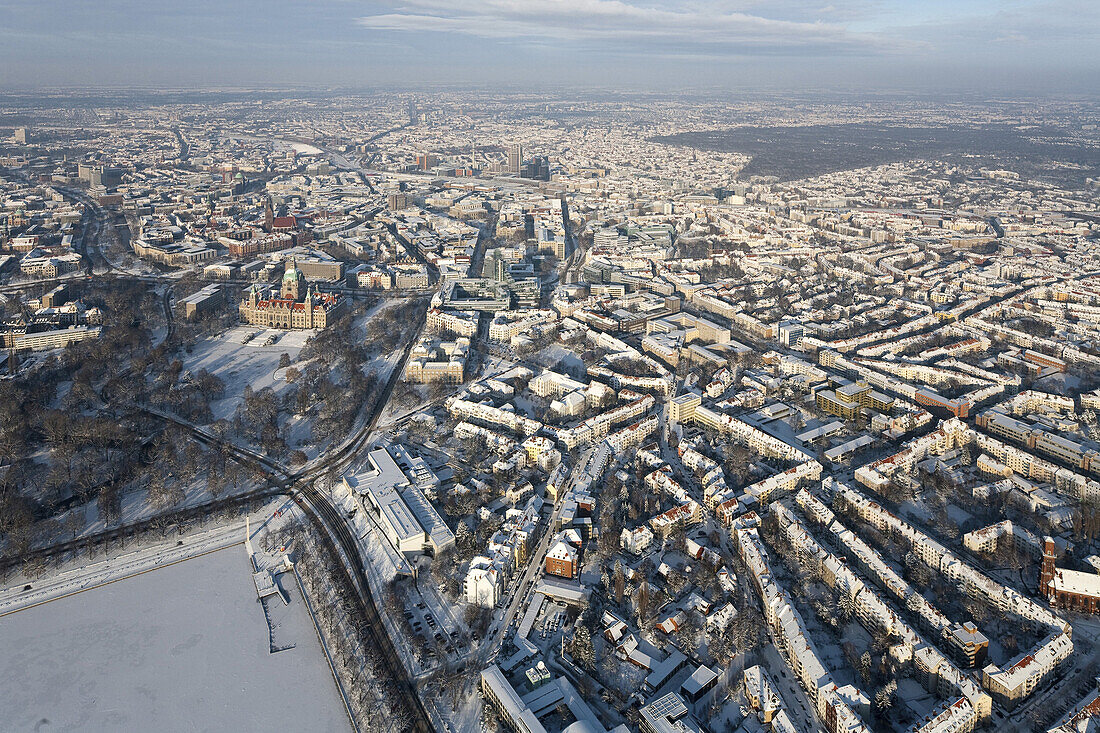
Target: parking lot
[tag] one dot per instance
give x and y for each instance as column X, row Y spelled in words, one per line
column 425, row 625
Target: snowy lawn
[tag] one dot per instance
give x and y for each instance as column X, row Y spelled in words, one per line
column 243, row 357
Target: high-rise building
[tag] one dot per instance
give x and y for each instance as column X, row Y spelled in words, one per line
column 397, row 201
column 537, row 169
column 791, row 333
column 99, row 175
column 515, row 159
column 21, row 136
column 426, row 161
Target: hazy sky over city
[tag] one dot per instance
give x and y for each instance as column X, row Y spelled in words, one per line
column 956, row 45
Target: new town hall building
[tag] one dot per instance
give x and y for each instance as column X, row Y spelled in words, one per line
column 297, row 305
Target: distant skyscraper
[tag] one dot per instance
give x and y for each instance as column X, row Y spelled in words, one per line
column 99, row 175
column 537, row 168
column 21, row 136
column 515, row 159
column 426, row 161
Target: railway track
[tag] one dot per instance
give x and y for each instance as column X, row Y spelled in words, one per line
column 321, row 510
column 338, row 459
column 322, row 513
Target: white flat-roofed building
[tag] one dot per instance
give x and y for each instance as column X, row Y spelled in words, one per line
column 203, row 301
column 43, row 265
column 821, row 433
column 379, row 490
column 506, row 325
column 21, row 340
column 522, row 713
column 476, row 412
column 410, row 276
column 439, row 535
column 701, row 681
column 497, row 690
column 462, row 323
column 553, row 384
column 667, row 714
column 845, row 450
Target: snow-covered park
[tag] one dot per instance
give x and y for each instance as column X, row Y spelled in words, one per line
column 246, row 356
column 184, row 647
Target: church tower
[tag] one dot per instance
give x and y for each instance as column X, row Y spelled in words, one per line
column 293, row 282
column 1047, row 573
column 269, row 215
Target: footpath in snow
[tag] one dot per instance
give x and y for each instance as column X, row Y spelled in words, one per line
column 144, row 556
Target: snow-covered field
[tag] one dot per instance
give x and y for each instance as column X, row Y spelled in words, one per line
column 185, row 647
column 243, row 357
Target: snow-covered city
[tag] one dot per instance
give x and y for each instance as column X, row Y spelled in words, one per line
column 545, row 410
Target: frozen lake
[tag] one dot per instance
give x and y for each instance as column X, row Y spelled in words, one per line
column 182, row 648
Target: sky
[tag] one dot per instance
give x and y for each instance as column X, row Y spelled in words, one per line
column 967, row 46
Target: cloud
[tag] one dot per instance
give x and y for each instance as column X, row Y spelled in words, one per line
column 1064, row 23
column 616, row 25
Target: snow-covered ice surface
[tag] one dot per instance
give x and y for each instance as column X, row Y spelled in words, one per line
column 300, row 148
column 184, row 648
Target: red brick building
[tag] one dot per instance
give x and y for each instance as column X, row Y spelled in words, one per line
column 1072, row 590
column 562, row 560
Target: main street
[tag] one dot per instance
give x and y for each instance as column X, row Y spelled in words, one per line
column 524, row 587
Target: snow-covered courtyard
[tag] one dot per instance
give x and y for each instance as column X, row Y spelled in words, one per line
column 184, row 647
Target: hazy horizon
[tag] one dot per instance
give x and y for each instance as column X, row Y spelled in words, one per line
column 970, row 46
